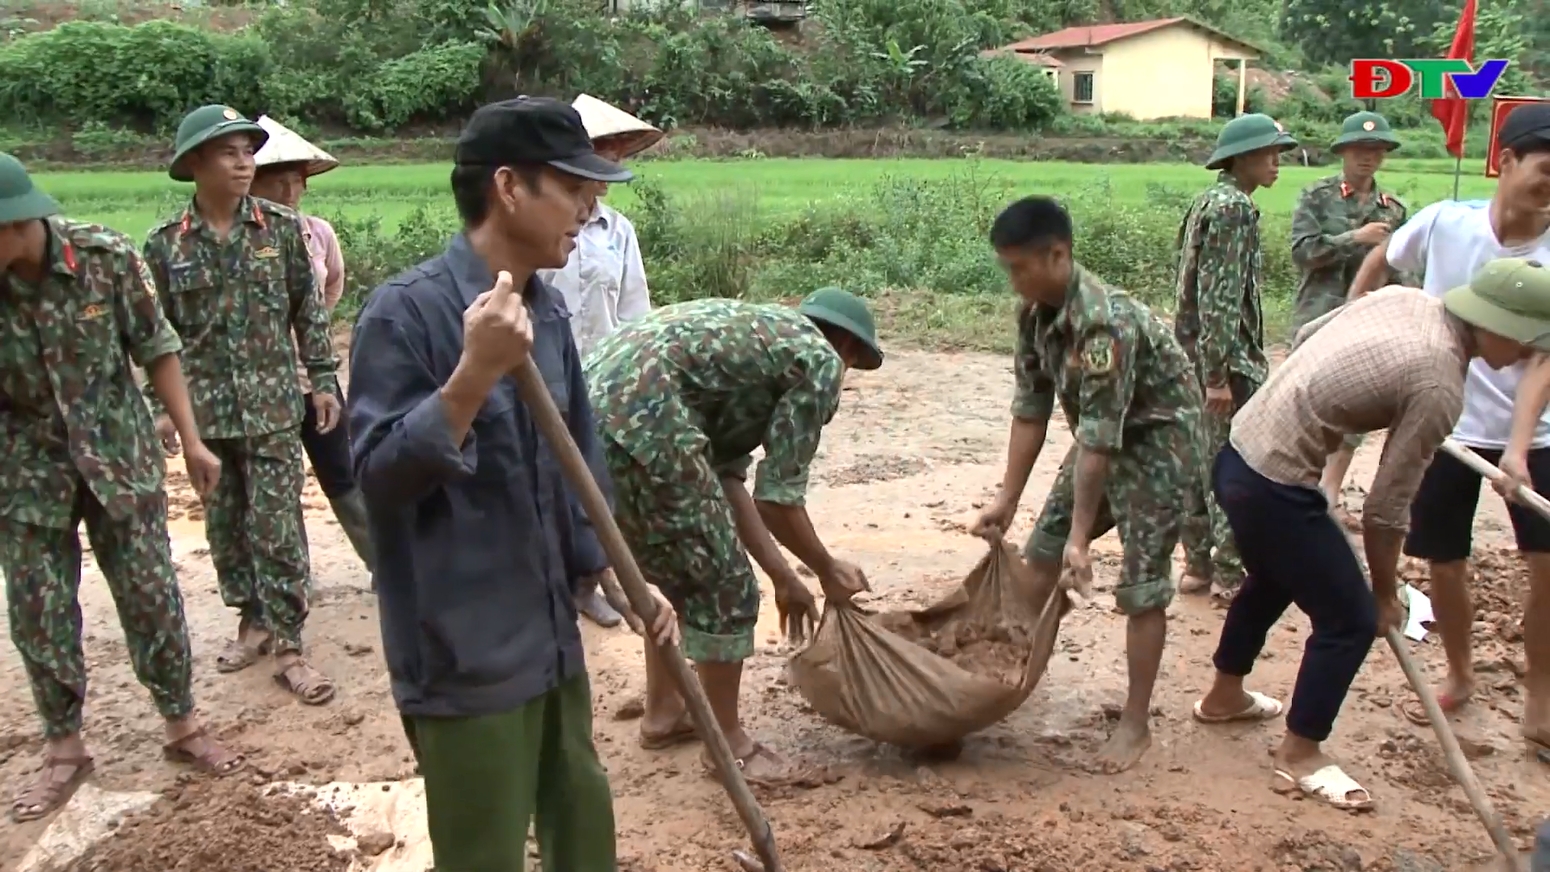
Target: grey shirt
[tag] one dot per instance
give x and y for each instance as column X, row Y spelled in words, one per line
column 478, row 545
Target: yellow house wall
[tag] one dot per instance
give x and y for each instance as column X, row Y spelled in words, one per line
column 1074, row 62
column 1164, row 74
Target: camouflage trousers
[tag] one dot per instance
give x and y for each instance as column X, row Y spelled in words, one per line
column 1148, row 479
column 257, row 541
column 1208, row 542
column 42, row 568
column 684, row 539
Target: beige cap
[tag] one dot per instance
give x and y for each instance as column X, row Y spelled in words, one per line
column 286, row 146
column 605, row 121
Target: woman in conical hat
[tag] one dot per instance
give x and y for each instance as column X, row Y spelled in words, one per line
column 283, row 166
column 604, row 283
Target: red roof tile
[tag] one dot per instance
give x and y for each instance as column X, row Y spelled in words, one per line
column 1101, row 34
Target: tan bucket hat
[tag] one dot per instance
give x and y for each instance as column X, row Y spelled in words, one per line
column 286, row 146
column 604, row 121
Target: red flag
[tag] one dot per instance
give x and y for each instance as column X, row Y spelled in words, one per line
column 1453, row 112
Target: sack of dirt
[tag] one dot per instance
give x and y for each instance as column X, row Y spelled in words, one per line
column 925, row 679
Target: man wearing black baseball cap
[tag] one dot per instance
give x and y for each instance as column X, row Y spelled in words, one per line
column 480, row 545
column 1503, row 421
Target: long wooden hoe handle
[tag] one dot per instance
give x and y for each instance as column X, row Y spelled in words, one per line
column 1457, row 763
column 536, row 395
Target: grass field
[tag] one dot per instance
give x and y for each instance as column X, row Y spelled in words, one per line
column 132, row 202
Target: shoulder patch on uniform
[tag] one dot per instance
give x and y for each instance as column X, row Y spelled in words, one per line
column 1098, row 355
column 96, row 237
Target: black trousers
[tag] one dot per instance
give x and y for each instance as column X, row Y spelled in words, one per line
column 1294, row 552
column 1442, row 515
column 329, row 453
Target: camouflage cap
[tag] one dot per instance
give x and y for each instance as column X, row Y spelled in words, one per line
column 848, row 312
column 20, row 199
column 1510, row 297
column 1248, row 133
column 204, row 124
column 1365, row 127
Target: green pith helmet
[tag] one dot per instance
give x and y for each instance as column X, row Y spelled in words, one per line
column 1510, row 297
column 1248, row 133
column 207, row 123
column 848, row 312
column 1365, row 127
column 20, row 199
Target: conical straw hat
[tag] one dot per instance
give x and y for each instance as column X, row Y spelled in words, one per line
column 287, row 146
column 602, row 120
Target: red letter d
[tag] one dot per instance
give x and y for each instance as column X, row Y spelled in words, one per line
column 1379, row 79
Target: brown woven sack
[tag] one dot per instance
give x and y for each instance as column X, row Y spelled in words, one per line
column 878, row 684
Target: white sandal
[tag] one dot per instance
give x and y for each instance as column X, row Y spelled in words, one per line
column 1329, row 785
column 1261, row 708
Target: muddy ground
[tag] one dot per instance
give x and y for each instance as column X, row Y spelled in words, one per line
column 915, row 448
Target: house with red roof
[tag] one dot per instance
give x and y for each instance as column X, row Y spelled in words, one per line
column 1164, row 68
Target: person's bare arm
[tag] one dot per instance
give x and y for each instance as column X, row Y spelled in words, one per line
column 794, row 529
column 1092, row 474
column 1024, row 445
column 1373, row 273
column 1424, row 421
column 1529, row 404
column 754, row 535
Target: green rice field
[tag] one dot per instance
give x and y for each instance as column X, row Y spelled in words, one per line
column 133, row 202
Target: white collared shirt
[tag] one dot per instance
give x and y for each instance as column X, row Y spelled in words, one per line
column 604, row 282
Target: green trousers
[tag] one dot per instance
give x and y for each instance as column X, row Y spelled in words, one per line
column 487, row 778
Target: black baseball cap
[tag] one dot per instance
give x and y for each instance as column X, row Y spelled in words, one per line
column 534, row 130
column 1525, row 124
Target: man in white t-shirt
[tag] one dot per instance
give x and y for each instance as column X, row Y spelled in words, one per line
column 1448, row 242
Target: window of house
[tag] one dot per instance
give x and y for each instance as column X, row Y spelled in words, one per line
column 1082, row 88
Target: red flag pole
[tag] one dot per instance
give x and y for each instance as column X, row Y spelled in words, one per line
column 1453, row 112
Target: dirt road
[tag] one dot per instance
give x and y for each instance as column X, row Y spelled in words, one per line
column 915, row 448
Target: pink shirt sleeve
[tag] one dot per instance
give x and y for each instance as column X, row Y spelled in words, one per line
column 332, row 273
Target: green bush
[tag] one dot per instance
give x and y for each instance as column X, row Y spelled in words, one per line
column 144, row 76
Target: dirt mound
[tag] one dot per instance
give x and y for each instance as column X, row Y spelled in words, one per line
column 221, row 824
column 999, row 651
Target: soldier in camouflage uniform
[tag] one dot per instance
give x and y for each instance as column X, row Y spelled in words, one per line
column 1129, row 394
column 683, row 395
column 77, row 306
column 1220, row 323
column 235, row 280
column 1337, row 221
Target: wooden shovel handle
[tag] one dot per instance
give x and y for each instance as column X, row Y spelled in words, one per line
column 535, row 394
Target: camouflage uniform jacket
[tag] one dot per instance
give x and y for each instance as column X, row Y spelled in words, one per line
column 1113, row 364
column 236, row 302
column 1221, row 270
column 70, row 411
column 719, row 378
column 1328, row 212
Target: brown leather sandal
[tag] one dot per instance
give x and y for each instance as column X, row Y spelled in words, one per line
column 56, row 783
column 212, row 757
column 310, row 686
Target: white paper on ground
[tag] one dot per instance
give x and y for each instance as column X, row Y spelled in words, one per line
column 393, row 807
column 89, row 816
column 1419, row 608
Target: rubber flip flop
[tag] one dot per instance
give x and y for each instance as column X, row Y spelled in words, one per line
column 682, row 734
column 1260, row 708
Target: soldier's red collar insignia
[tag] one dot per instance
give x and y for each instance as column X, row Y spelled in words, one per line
column 258, row 215
column 1346, row 190
column 67, row 255
column 186, row 226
